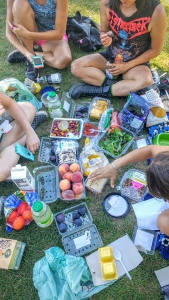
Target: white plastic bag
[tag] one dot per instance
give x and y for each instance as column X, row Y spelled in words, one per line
column 157, row 113
column 148, row 211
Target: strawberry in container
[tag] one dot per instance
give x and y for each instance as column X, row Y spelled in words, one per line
column 90, row 129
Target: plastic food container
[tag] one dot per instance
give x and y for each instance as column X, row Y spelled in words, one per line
column 133, row 185
column 124, row 147
column 115, row 205
column 161, row 139
column 78, row 240
column 47, row 151
column 46, row 184
column 134, row 113
column 89, row 129
column 97, row 107
column 107, row 263
column 66, row 151
column 145, row 240
column 96, row 186
column 80, row 110
column 71, row 189
column 74, row 131
column 142, row 141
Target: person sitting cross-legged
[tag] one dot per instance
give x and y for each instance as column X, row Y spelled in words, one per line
column 133, row 31
column 40, row 22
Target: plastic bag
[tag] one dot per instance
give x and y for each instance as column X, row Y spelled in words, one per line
column 157, row 113
column 17, row 209
column 59, row 276
column 18, row 91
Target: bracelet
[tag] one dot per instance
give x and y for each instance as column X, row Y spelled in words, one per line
column 114, row 166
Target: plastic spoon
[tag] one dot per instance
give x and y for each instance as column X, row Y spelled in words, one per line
column 118, row 256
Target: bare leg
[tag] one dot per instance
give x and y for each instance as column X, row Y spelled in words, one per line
column 24, row 15
column 57, row 54
column 91, row 69
column 17, row 132
column 8, row 157
column 135, row 79
column 163, row 222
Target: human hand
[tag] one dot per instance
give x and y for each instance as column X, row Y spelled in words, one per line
column 19, row 30
column 32, row 141
column 106, row 172
column 117, row 68
column 106, row 40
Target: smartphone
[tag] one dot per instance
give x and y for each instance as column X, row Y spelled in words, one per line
column 37, row 61
column 22, row 151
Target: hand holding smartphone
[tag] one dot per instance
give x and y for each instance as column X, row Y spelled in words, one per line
column 23, row 151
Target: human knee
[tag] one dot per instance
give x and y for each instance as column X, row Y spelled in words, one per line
column 29, row 110
column 163, row 222
column 76, row 67
column 62, row 63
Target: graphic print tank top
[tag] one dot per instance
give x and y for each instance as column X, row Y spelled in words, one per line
column 44, row 15
column 131, row 36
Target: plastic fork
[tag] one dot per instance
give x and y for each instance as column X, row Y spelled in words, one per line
column 92, row 130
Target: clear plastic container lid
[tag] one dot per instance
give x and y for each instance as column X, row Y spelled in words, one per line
column 145, row 240
column 133, row 185
column 46, row 184
column 97, row 107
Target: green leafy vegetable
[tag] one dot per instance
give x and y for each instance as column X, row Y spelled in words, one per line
column 115, row 141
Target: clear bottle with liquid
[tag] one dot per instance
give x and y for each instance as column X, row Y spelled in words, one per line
column 50, row 79
column 108, row 66
column 42, row 214
column 54, row 105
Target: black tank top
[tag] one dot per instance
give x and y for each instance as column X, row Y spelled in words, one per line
column 131, row 36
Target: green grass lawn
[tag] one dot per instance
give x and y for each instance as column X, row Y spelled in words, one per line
column 18, row 285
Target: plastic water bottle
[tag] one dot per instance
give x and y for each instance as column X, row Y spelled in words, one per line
column 42, row 214
column 54, row 105
column 50, row 79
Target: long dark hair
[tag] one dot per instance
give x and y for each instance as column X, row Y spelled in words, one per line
column 158, row 176
column 140, row 4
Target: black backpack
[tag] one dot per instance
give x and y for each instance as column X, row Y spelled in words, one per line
column 84, row 32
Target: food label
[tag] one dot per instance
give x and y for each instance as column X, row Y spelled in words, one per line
column 66, row 106
column 141, row 143
column 139, row 178
column 136, row 123
column 83, row 240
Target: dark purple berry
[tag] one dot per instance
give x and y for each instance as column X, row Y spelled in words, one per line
column 78, row 222
column 60, row 218
column 62, row 227
column 82, row 210
column 75, row 215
